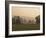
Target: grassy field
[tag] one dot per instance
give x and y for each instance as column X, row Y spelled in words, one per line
column 21, row 27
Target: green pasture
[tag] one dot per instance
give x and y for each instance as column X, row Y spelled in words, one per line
column 21, row 27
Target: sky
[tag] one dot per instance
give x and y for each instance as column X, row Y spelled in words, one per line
column 25, row 11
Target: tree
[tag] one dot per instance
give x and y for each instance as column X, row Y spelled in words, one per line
column 13, row 20
column 18, row 20
column 29, row 21
column 38, row 19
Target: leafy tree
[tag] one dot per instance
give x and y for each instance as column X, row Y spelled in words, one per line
column 30, row 21
column 18, row 20
column 38, row 19
column 13, row 20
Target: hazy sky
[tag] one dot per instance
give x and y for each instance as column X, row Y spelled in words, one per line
column 25, row 11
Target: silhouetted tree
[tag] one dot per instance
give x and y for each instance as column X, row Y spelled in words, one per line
column 13, row 20
column 30, row 21
column 18, row 20
column 38, row 19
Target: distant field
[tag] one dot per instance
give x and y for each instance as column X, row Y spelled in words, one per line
column 21, row 27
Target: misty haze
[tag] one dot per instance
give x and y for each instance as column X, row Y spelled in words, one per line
column 25, row 18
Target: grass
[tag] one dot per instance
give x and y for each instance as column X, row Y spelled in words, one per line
column 21, row 27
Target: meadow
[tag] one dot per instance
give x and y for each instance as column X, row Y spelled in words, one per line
column 22, row 27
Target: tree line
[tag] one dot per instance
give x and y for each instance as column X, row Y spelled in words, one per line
column 16, row 20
